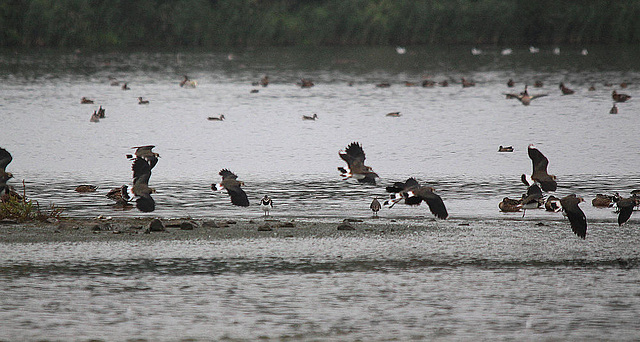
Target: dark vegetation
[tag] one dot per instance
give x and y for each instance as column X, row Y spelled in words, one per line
column 16, row 207
column 209, row 23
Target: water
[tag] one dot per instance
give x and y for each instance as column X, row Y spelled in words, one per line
column 501, row 277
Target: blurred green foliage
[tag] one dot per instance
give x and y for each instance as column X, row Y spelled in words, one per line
column 207, row 23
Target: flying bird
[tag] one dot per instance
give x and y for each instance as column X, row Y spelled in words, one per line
column 625, row 207
column 540, row 175
column 140, row 191
column 575, row 214
column 413, row 194
column 524, row 96
column 146, row 153
column 266, row 204
column 233, row 186
column 354, row 156
column 552, row 204
column 5, row 159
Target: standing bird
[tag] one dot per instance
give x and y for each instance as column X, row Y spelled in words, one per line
column 524, row 96
column 565, row 90
column 413, row 194
column 266, row 204
column 375, row 207
column 575, row 214
column 614, row 109
column 625, row 207
column 140, row 189
column 233, row 186
column 619, row 97
column 540, row 175
column 146, row 153
column 354, row 156
column 5, row 159
column 533, row 199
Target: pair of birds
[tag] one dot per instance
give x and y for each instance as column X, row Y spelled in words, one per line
column 410, row 191
column 233, row 187
column 144, row 159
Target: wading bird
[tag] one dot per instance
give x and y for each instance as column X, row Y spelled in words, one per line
column 266, row 204
column 375, row 207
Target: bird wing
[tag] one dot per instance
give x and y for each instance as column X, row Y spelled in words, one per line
column 141, row 171
column 537, row 96
column 540, row 162
column 513, row 96
column 575, row 215
column 226, row 174
column 145, row 203
column 238, row 196
column 626, row 208
column 5, row 159
column 411, row 183
column 354, row 156
column 534, row 190
column 435, row 203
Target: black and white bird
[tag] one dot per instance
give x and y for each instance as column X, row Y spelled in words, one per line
column 575, row 215
column 524, row 96
column 146, row 153
column 140, row 191
column 354, row 156
column 625, row 207
column 552, row 204
column 413, row 194
column 5, row 159
column 266, row 204
column 231, row 183
column 533, row 199
column 375, row 207
column 540, row 162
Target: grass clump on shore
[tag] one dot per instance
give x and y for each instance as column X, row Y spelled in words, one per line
column 16, row 207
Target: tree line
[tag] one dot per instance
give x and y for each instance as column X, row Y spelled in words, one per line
column 210, row 23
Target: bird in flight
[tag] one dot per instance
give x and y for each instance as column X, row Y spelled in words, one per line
column 354, row 156
column 413, row 194
column 231, row 183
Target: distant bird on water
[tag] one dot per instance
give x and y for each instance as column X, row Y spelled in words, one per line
column 354, row 156
column 510, row 83
column 413, row 194
column 310, row 118
column 539, row 175
column 231, row 183
column 305, row 83
column 619, row 97
column 85, row 100
column 505, row 148
column 266, row 204
column 467, row 84
column 375, row 207
column 614, row 109
column 101, row 113
column 5, row 159
column 125, row 86
column 524, row 96
column 575, row 215
column 394, row 114
column 214, row 118
column 565, row 90
column 94, row 117
column 86, row 188
column 142, row 101
column 188, row 83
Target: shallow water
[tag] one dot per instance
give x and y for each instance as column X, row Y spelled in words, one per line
column 501, row 277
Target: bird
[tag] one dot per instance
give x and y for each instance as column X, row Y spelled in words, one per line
column 524, row 96
column 119, row 195
column 401, row 50
column 602, row 201
column 94, row 117
column 538, row 84
column 476, row 51
column 510, row 83
column 125, row 86
column 214, row 118
column 231, row 183
column 305, row 83
column 552, row 204
column 625, row 208
column 614, row 109
column 619, row 97
column 86, row 188
column 141, row 101
column 394, row 114
column 140, row 191
column 556, row 51
column 510, row 205
column 264, row 81
column 146, row 153
column 187, row 83
column 354, row 156
column 506, row 52
column 85, row 100
column 539, row 175
column 505, row 148
column 533, row 199
column 312, row 118
column 5, row 159
column 575, row 214
column 533, row 49
column 383, row 85
column 375, row 206
column 565, row 90
column 101, row 113
column 413, row 194
column 592, row 88
column 266, row 204
column 466, row 84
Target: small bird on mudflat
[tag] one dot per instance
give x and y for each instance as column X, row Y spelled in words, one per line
column 375, row 207
column 266, row 204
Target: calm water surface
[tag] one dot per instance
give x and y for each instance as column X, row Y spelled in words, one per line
column 501, row 277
